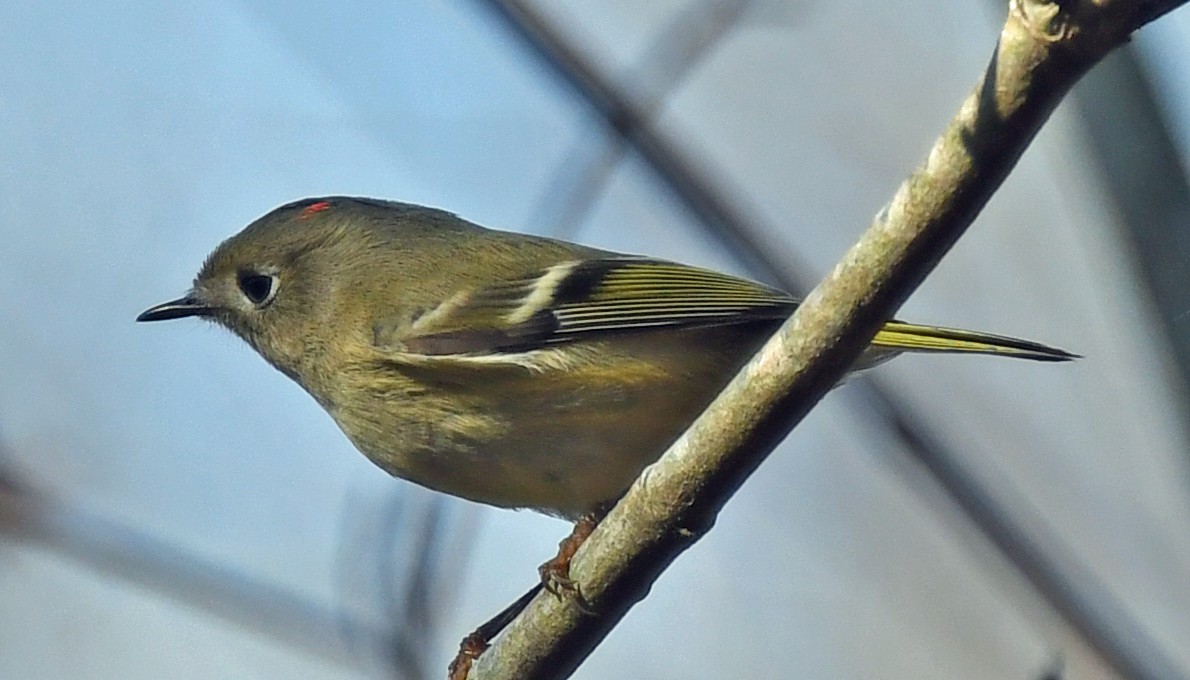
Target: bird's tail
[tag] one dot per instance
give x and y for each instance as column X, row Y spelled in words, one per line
column 908, row 337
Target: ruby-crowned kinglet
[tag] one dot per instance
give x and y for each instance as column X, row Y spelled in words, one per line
column 508, row 369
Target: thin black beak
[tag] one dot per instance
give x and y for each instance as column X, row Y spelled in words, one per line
column 176, row 309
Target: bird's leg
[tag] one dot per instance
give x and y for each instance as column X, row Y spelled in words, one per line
column 555, row 574
column 480, row 639
column 555, row 577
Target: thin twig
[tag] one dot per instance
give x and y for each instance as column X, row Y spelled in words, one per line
column 1043, row 50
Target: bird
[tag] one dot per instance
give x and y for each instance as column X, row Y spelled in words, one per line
column 513, row 370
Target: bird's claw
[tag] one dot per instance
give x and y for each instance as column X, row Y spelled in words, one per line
column 470, row 649
column 555, row 574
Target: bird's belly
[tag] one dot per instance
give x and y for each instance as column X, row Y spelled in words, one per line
column 562, row 440
column 561, row 459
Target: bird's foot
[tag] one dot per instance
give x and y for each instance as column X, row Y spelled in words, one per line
column 478, row 642
column 470, row 649
column 555, row 573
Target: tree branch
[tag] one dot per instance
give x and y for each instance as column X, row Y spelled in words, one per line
column 1044, row 48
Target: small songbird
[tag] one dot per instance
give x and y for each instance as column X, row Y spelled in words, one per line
column 508, row 369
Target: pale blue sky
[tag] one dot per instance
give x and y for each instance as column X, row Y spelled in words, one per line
column 136, row 137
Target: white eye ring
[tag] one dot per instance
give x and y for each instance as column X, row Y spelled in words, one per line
column 258, row 288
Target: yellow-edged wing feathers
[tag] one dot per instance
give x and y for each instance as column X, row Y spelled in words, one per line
column 582, row 298
column 585, row 298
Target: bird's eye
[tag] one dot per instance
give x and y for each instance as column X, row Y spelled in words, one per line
column 258, row 288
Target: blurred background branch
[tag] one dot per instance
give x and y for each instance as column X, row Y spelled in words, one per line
column 126, row 553
column 1043, row 50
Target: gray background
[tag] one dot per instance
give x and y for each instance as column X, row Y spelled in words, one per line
column 173, row 507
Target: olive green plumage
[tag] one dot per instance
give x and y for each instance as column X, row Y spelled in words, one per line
column 509, row 369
